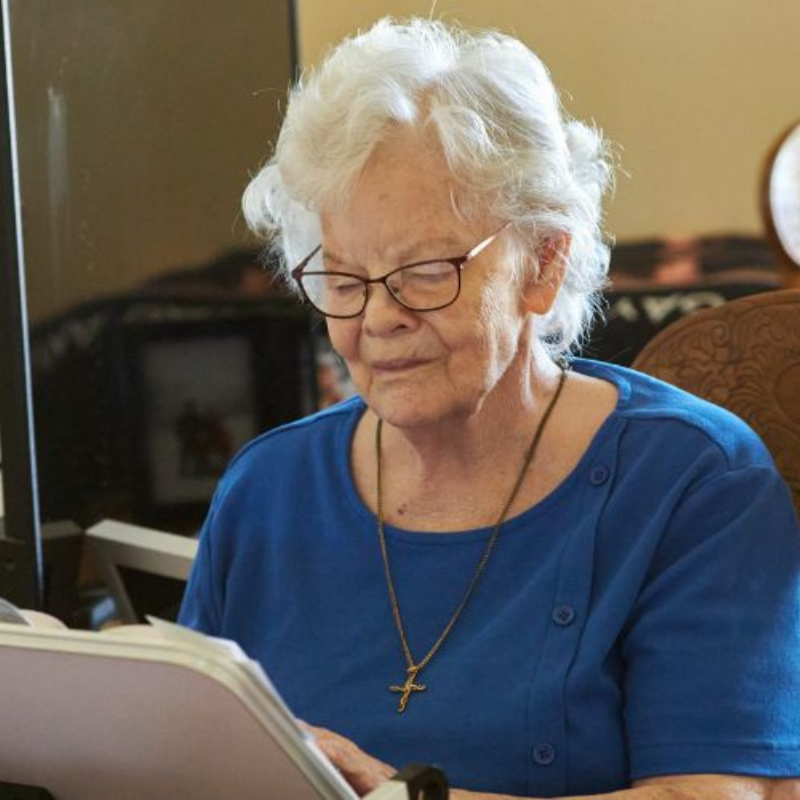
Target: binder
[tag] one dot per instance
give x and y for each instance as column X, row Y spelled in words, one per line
column 149, row 713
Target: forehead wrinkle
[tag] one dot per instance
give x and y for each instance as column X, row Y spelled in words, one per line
column 438, row 246
column 327, row 255
column 426, row 249
column 449, row 244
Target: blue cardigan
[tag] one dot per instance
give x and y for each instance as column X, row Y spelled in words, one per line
column 643, row 619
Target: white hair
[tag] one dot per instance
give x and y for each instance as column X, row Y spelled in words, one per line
column 507, row 141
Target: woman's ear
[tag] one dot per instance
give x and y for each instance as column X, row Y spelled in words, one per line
column 540, row 290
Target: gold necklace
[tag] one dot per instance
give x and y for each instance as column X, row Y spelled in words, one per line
column 411, row 686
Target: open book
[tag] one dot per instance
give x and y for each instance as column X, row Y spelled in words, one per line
column 157, row 712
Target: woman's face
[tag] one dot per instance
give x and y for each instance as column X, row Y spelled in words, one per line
column 417, row 369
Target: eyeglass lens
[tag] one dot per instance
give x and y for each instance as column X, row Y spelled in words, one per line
column 420, row 287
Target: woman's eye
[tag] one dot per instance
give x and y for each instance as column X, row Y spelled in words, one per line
column 431, row 273
column 344, row 285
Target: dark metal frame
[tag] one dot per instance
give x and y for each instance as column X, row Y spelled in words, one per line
column 16, row 406
column 294, row 40
column 457, row 263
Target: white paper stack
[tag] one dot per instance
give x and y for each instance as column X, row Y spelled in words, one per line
column 156, row 712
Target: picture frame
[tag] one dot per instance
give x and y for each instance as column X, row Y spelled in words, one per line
column 205, row 380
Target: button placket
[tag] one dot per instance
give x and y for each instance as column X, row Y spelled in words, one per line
column 568, row 610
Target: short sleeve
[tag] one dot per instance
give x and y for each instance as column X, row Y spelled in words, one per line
column 712, row 649
column 200, row 608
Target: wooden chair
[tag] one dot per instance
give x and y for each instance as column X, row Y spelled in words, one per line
column 745, row 356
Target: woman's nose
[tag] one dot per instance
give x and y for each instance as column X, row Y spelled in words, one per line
column 382, row 313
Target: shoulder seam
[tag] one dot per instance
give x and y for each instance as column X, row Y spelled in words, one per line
column 634, row 415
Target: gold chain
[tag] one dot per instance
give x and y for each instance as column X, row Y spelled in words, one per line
column 414, row 669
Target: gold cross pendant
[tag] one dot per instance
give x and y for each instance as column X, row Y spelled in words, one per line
column 408, row 688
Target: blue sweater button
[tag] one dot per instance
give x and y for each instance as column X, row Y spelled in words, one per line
column 544, row 754
column 563, row 615
column 598, row 475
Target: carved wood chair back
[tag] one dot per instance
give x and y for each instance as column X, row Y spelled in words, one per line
column 745, row 356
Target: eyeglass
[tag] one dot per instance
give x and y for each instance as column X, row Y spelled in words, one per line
column 421, row 286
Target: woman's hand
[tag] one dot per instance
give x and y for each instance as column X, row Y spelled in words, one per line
column 363, row 772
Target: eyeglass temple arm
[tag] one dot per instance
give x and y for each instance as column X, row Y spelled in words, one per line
column 481, row 246
column 305, row 262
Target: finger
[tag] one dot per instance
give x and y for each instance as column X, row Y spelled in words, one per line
column 363, row 772
column 306, row 727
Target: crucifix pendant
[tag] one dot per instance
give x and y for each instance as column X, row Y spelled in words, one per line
column 408, row 687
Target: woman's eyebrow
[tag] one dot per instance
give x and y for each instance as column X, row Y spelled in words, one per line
column 328, row 256
column 449, row 246
column 430, row 248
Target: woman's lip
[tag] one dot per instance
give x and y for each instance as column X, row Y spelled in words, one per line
column 397, row 364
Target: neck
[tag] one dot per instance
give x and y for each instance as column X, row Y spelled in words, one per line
column 491, row 436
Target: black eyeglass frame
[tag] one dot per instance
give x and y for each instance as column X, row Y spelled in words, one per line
column 458, row 263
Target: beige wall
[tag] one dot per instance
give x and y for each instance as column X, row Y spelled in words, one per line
column 695, row 91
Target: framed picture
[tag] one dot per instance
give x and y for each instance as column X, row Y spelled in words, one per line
column 197, row 417
column 202, row 387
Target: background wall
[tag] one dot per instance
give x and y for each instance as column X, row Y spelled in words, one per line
column 694, row 91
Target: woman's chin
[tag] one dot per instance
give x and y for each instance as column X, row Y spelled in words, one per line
column 406, row 409
column 412, row 409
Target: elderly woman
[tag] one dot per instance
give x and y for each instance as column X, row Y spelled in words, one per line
column 549, row 580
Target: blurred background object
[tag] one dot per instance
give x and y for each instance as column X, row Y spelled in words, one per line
column 656, row 282
column 780, row 201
